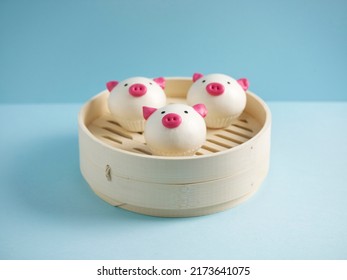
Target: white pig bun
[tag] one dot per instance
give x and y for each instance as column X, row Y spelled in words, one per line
column 224, row 97
column 127, row 98
column 183, row 137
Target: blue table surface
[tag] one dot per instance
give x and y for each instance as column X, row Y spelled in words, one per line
column 48, row 211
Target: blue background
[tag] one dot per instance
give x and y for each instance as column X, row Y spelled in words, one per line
column 65, row 51
column 55, row 55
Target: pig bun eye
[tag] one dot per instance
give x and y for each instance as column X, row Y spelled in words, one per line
column 203, row 81
column 162, row 112
column 150, row 83
column 228, row 82
column 125, row 85
column 186, row 112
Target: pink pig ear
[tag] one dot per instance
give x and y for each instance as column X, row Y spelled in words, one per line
column 148, row 111
column 197, row 76
column 201, row 109
column 111, row 85
column 160, row 81
column 243, row 82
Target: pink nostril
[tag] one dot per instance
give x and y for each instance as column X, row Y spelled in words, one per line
column 137, row 90
column 215, row 89
column 171, row 120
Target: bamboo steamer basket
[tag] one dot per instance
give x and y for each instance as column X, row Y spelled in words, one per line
column 227, row 170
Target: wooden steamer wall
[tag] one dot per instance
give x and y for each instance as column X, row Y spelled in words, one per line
column 228, row 168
